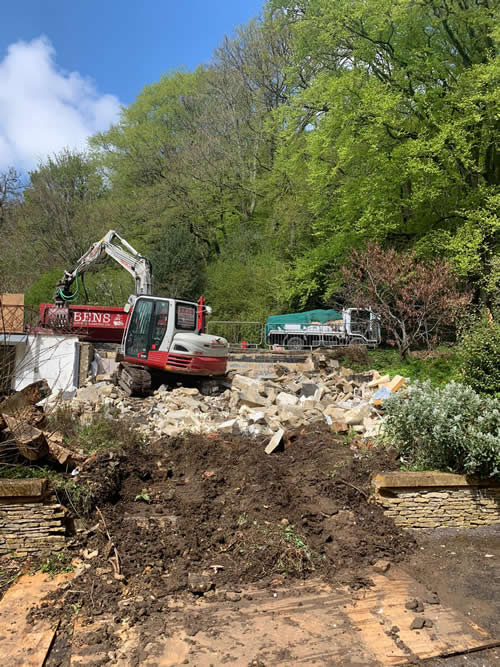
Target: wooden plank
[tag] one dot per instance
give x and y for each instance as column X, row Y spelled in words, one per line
column 27, row 645
column 381, row 608
column 11, row 313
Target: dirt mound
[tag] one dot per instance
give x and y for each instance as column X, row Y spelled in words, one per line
column 210, row 515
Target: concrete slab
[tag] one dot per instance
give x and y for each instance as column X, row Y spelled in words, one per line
column 25, row 488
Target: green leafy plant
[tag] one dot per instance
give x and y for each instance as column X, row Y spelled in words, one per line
column 56, row 564
column 143, row 496
column 449, row 428
column 77, row 497
column 479, row 355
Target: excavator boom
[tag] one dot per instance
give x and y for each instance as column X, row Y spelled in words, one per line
column 114, row 246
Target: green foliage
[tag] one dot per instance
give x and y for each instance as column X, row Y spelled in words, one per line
column 77, row 497
column 56, row 564
column 479, row 355
column 144, row 496
column 246, row 285
column 178, row 263
column 439, row 366
column 319, row 127
column 20, row 472
column 450, row 428
column 103, row 432
column 42, row 290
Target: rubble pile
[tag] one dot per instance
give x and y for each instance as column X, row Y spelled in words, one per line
column 24, row 429
column 256, row 406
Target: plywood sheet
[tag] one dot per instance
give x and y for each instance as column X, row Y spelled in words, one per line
column 378, row 610
column 26, row 644
column 302, row 624
column 11, row 313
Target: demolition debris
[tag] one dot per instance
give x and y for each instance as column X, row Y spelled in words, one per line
column 257, row 406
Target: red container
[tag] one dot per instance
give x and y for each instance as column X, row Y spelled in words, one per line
column 105, row 324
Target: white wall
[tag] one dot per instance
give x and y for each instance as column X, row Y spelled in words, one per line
column 46, row 357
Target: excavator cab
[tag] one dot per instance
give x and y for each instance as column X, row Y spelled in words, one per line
column 147, row 328
column 163, row 335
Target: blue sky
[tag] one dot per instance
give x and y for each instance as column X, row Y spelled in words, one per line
column 67, row 65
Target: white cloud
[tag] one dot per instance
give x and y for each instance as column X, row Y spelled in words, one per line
column 43, row 108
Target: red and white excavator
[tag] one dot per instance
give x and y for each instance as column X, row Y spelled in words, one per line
column 163, row 336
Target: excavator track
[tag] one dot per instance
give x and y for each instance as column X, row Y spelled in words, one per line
column 134, row 380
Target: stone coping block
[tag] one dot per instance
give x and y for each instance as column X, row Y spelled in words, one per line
column 23, row 488
column 427, row 479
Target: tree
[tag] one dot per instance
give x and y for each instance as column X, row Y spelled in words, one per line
column 177, row 264
column 396, row 135
column 11, row 189
column 414, row 299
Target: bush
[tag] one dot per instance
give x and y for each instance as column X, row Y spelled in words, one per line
column 103, row 432
column 449, row 428
column 479, row 354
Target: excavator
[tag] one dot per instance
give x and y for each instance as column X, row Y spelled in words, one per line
column 163, row 338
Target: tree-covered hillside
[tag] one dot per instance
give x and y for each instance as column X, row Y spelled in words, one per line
column 321, row 126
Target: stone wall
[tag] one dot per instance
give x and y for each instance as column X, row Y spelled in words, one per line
column 420, row 500
column 30, row 521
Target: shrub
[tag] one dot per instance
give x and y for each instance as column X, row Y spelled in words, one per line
column 449, row 428
column 479, row 354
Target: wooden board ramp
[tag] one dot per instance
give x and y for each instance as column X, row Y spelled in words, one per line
column 307, row 623
column 20, row 642
column 381, row 608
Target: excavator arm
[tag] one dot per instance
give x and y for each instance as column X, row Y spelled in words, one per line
column 111, row 245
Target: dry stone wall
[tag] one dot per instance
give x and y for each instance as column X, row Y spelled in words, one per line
column 30, row 522
column 437, row 500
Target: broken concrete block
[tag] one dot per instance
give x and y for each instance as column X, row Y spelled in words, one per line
column 30, row 395
column 377, row 381
column 229, row 426
column 339, row 427
column 318, row 394
column 286, row 399
column 259, row 429
column 372, row 427
column 335, row 413
column 187, row 391
column 257, row 417
column 29, row 440
column 58, row 452
column 275, row 441
column 355, row 416
column 308, row 389
column 309, row 404
column 293, row 418
column 90, row 394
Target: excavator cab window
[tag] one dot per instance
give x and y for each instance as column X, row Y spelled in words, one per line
column 160, row 322
column 147, row 327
